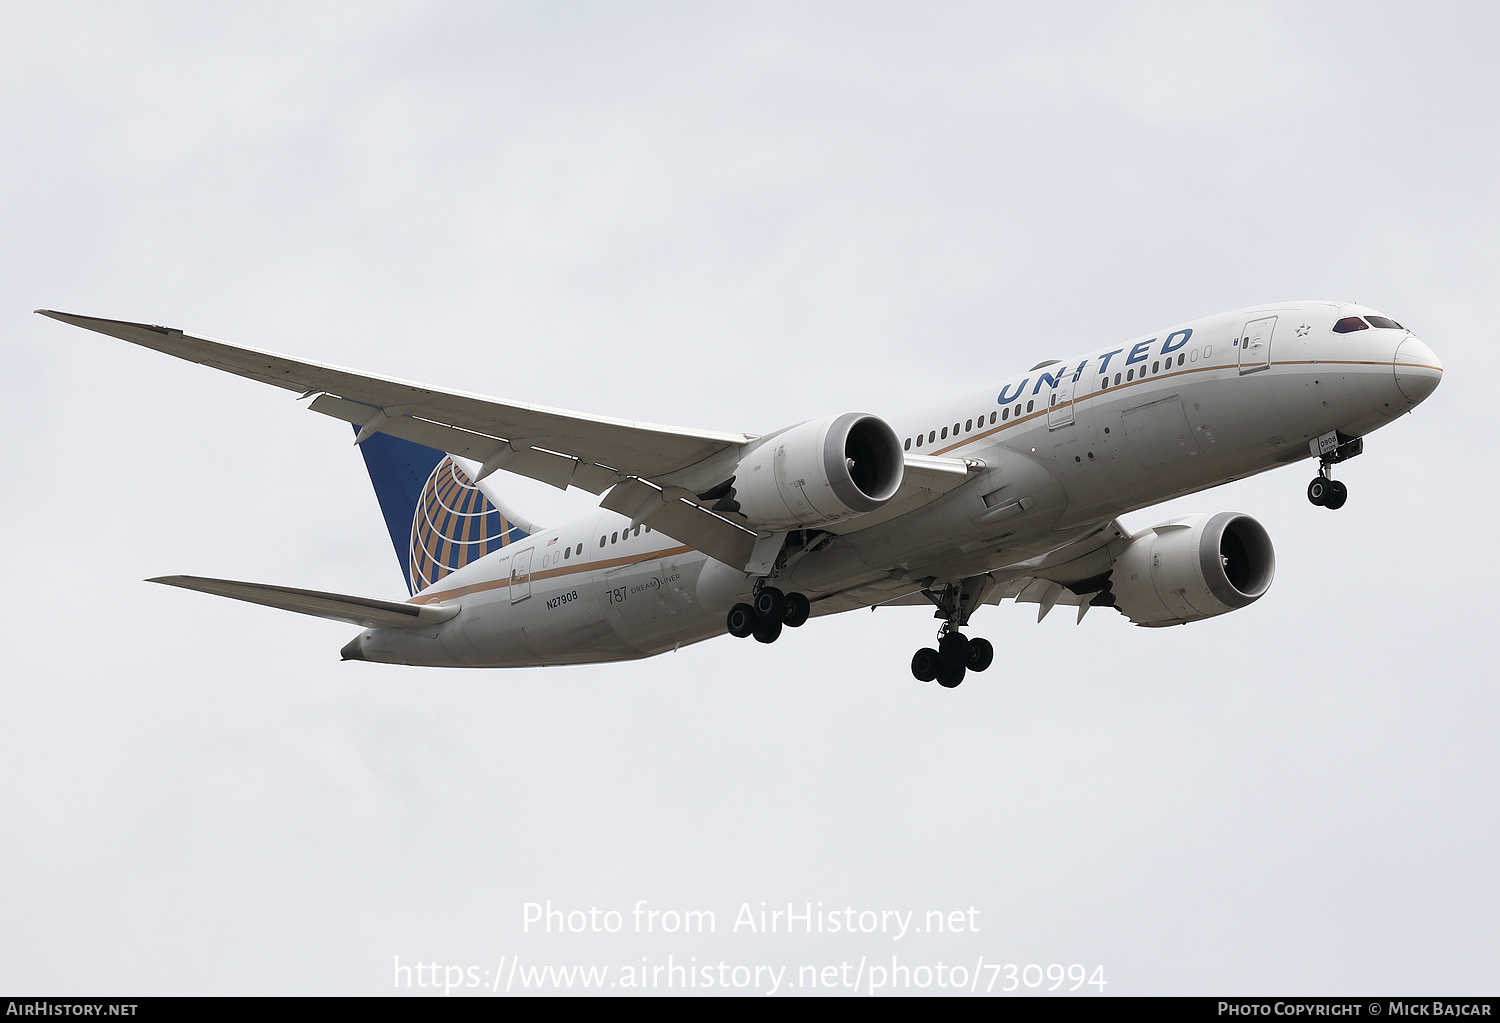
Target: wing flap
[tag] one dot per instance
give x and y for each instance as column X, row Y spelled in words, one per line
column 681, row 519
column 560, row 471
column 367, row 612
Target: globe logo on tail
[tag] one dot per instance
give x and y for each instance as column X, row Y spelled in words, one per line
column 453, row 525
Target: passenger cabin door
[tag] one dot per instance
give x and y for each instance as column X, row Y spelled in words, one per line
column 1060, row 405
column 520, row 576
column 1255, row 344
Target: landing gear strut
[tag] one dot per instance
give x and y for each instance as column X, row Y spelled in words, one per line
column 956, row 654
column 770, row 611
column 1331, row 448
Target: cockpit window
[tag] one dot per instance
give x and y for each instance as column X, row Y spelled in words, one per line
column 1384, row 322
column 1349, row 324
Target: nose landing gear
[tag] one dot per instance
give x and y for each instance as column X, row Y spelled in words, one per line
column 1331, row 448
column 1327, row 493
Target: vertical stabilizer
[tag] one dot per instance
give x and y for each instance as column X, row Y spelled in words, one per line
column 438, row 519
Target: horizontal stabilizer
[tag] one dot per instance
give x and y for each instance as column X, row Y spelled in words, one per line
column 367, row 612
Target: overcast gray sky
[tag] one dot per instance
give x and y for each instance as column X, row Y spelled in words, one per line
column 731, row 216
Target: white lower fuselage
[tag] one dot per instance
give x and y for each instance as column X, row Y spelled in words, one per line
column 1082, row 450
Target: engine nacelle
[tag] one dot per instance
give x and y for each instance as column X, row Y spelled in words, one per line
column 1193, row 568
column 818, row 473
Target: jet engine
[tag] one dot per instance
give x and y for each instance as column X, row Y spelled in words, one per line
column 1193, row 568
column 815, row 474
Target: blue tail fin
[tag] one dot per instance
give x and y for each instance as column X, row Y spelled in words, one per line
column 438, row 519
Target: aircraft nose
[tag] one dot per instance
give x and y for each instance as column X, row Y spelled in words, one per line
column 1418, row 370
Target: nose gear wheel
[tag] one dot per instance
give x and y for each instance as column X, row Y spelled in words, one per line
column 1325, row 491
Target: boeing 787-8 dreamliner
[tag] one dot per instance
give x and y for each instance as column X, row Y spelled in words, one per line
column 1010, row 490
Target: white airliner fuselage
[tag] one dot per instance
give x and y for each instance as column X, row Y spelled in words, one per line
column 1055, row 455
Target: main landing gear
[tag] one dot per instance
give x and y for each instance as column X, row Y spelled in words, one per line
column 1331, row 448
column 771, row 610
column 956, row 654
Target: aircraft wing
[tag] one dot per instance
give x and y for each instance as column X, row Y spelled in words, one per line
column 1026, row 589
column 554, row 445
column 1074, row 574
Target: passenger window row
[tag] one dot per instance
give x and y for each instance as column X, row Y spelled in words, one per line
column 563, row 555
column 933, row 436
column 616, row 537
column 1156, row 367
